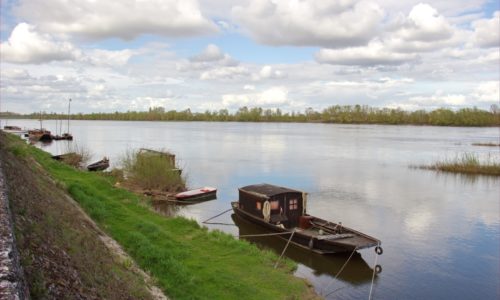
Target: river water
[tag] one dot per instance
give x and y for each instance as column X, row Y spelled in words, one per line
column 440, row 232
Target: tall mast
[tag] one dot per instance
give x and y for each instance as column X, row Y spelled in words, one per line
column 69, row 108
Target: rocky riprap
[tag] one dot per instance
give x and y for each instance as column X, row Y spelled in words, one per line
column 12, row 282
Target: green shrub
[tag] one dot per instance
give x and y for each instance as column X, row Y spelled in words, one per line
column 152, row 170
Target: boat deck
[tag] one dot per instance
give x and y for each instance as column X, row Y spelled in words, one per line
column 348, row 239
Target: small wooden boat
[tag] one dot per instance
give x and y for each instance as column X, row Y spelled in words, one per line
column 100, row 165
column 204, row 193
column 12, row 128
column 42, row 135
column 64, row 136
column 64, row 156
column 283, row 210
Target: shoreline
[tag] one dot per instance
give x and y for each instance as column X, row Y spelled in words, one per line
column 184, row 259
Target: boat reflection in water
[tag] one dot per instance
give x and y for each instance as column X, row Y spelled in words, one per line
column 172, row 207
column 355, row 272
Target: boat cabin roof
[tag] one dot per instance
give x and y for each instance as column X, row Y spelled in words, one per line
column 267, row 190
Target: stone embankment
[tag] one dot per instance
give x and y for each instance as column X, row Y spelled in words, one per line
column 12, row 282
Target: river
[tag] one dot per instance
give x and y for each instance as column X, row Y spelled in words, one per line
column 440, row 232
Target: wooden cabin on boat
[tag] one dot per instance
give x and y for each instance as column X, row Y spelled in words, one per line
column 277, row 205
column 283, row 211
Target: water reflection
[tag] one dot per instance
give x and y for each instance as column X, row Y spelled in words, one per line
column 171, row 208
column 355, row 272
column 165, row 208
column 439, row 230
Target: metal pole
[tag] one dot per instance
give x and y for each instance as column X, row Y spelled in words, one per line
column 69, row 108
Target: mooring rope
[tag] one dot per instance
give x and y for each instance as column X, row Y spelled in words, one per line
column 373, row 275
column 217, row 223
column 338, row 273
column 206, row 221
column 254, row 235
column 263, row 234
column 287, row 243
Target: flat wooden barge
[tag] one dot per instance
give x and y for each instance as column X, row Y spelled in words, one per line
column 283, row 210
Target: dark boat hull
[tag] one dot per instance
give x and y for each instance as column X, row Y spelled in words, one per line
column 304, row 240
column 98, row 166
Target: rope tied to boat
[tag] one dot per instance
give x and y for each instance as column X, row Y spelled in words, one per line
column 338, row 273
column 263, row 234
column 286, row 246
column 206, row 221
column 373, row 275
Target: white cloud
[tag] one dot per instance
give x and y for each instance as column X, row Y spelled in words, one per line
column 25, row 45
column 272, row 97
column 439, row 99
column 424, row 23
column 225, row 73
column 14, row 74
column 268, row 72
column 213, row 62
column 108, row 58
column 310, row 23
column 423, row 30
column 375, row 53
column 487, row 31
column 144, row 103
column 210, row 53
column 124, row 19
column 487, row 92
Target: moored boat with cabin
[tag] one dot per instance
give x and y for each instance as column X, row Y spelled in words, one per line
column 283, row 210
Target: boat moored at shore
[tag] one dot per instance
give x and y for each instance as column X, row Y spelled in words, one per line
column 283, row 210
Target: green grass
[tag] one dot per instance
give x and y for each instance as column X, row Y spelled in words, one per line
column 60, row 252
column 467, row 163
column 187, row 261
column 152, row 171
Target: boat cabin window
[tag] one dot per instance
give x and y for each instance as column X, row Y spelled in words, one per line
column 275, row 205
column 259, row 205
column 294, row 204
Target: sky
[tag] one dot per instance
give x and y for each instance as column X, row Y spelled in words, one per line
column 121, row 55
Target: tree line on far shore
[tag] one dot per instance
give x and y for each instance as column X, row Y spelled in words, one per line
column 347, row 114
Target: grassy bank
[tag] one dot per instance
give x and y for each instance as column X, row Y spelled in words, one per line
column 61, row 250
column 467, row 163
column 187, row 261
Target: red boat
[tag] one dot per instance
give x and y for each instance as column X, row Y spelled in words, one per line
column 204, row 193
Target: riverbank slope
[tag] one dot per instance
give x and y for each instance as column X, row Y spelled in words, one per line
column 185, row 260
column 61, row 251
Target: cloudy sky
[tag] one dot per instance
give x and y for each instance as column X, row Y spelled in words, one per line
column 212, row 54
